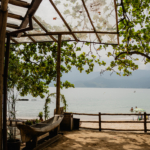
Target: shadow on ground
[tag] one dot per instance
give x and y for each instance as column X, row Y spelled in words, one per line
column 95, row 140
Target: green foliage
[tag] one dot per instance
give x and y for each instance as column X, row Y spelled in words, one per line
column 48, row 100
column 62, row 98
column 31, row 122
column 134, row 29
column 46, row 107
column 11, row 114
column 33, row 66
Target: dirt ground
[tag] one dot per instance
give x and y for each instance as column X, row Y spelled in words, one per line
column 95, row 140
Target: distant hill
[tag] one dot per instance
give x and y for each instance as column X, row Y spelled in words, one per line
column 139, row 79
column 101, row 82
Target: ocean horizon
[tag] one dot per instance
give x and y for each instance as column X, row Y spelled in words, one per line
column 90, row 100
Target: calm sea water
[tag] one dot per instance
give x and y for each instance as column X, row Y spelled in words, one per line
column 90, row 100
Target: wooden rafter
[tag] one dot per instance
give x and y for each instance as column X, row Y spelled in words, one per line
column 34, row 6
column 67, row 33
column 19, row 3
column 15, row 16
column 12, row 26
column 63, row 20
column 14, row 40
column 43, row 28
column 30, row 38
column 90, row 20
column 71, row 41
column 116, row 20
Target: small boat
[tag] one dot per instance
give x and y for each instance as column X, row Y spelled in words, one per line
column 31, row 132
column 23, row 99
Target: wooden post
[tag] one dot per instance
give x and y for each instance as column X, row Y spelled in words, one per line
column 145, row 128
column 58, row 75
column 3, row 24
column 5, row 94
column 99, row 121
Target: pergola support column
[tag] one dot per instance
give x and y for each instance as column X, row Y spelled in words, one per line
column 3, row 24
column 5, row 80
column 5, row 94
column 58, row 75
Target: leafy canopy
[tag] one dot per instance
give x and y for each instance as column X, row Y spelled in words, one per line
column 134, row 28
column 33, row 66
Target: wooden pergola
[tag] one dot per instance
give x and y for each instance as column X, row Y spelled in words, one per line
column 34, row 21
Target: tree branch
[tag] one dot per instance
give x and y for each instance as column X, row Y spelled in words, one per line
column 131, row 53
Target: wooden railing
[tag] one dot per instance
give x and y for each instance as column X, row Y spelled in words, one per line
column 100, row 121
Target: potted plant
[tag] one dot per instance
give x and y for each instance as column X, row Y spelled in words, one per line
column 12, row 143
column 40, row 116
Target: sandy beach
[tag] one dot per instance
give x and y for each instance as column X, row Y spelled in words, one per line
column 105, row 140
column 85, row 139
column 95, row 140
column 117, row 125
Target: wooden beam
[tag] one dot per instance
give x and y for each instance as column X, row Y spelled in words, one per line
column 4, row 4
column 47, row 143
column 12, row 26
column 63, row 20
column 5, row 93
column 116, row 20
column 85, row 114
column 13, row 33
column 121, row 114
column 123, row 121
column 14, row 40
column 123, row 129
column 15, row 16
column 3, row 23
column 100, row 121
column 34, row 6
column 30, row 38
column 106, row 114
column 19, row 3
column 43, row 28
column 114, row 122
column 67, row 33
column 90, row 121
column 58, row 75
column 145, row 125
column 69, row 41
column 89, row 128
column 90, row 20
